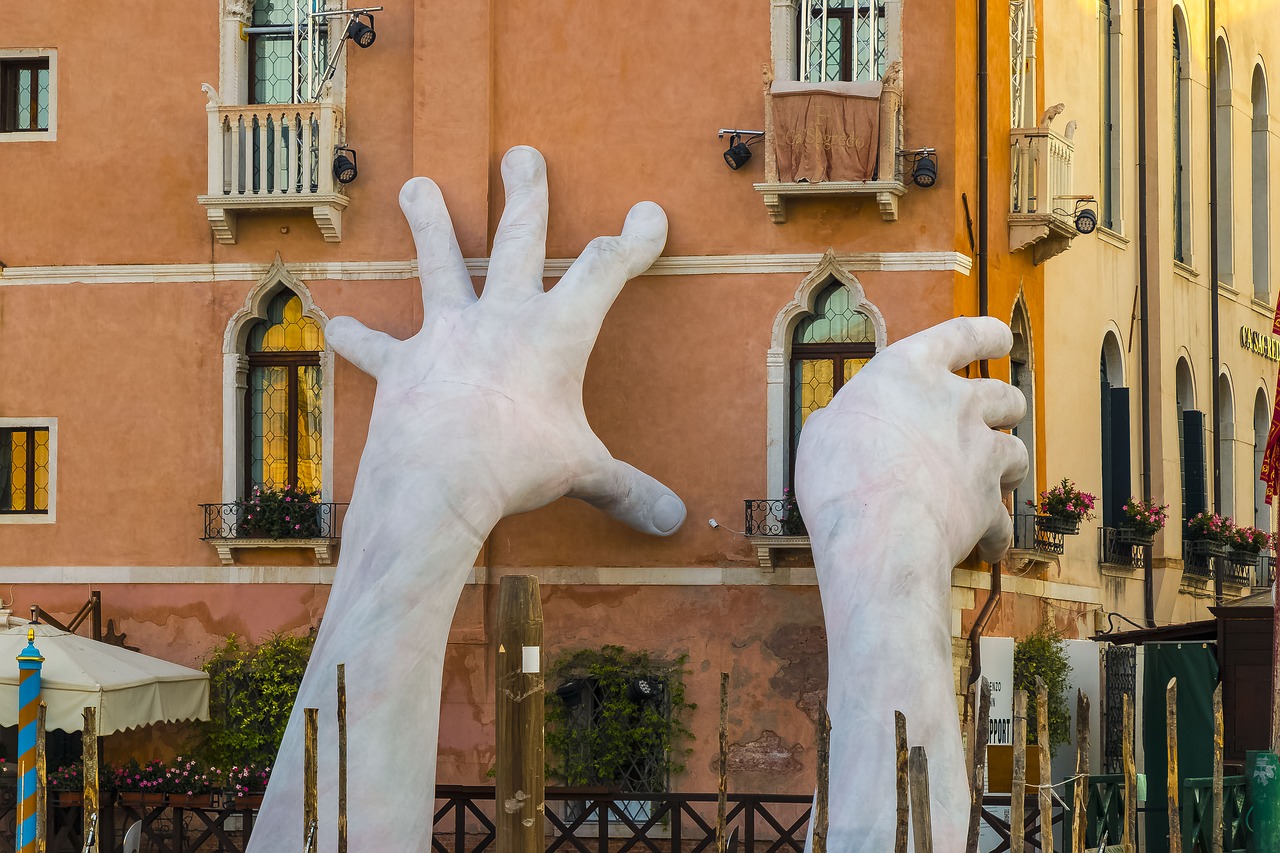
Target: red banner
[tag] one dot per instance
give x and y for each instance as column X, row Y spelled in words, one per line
column 1271, row 458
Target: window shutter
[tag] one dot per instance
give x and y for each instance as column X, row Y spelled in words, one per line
column 1116, row 486
column 1193, row 480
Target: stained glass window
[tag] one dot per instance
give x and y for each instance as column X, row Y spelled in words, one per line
column 828, row 348
column 24, row 470
column 284, row 407
column 275, row 56
column 842, row 40
column 24, row 95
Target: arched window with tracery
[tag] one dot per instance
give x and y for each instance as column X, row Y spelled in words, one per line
column 283, row 406
column 828, row 348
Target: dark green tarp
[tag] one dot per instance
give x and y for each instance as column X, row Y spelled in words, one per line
column 1195, row 665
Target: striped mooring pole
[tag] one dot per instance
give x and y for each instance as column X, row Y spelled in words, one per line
column 29, row 663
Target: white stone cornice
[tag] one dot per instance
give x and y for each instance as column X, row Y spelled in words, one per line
column 555, row 267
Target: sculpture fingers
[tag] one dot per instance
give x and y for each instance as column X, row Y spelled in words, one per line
column 366, row 348
column 520, row 245
column 995, row 542
column 595, row 279
column 959, row 341
column 441, row 269
column 1012, row 462
column 632, row 497
column 1002, row 405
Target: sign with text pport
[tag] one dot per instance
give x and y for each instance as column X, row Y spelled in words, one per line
column 997, row 668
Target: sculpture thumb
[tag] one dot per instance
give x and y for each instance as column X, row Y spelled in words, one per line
column 366, row 348
column 632, row 497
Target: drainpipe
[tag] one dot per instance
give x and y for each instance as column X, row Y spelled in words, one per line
column 1144, row 299
column 993, row 599
column 1215, row 356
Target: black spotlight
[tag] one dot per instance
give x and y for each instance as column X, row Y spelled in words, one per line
column 571, row 693
column 925, row 173
column 344, row 167
column 1086, row 221
column 644, row 689
column 737, row 154
column 360, row 33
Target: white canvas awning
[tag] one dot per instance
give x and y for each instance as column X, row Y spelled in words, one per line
column 128, row 689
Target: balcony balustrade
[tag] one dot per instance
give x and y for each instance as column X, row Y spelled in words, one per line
column 774, row 525
column 273, row 157
column 1042, row 200
column 227, row 526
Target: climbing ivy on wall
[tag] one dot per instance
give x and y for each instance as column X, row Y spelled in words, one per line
column 251, row 693
column 616, row 718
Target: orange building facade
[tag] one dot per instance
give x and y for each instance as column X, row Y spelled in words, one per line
column 170, row 258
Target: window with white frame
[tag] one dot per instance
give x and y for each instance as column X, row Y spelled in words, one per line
column 1109, row 170
column 1022, row 58
column 1181, row 139
column 1260, row 187
column 28, row 95
column 278, row 52
column 28, row 454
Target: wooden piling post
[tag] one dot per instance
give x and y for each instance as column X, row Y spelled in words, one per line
column 1080, row 804
column 310, row 771
column 921, row 821
column 1130, row 778
column 1171, row 741
column 904, row 793
column 1018, row 788
column 342, row 758
column 91, row 803
column 1215, row 840
column 520, row 771
column 1275, row 662
column 722, row 798
column 820, row 813
column 978, row 778
column 1046, row 765
column 42, row 780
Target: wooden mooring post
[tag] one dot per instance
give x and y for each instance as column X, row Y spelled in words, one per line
column 1130, row 778
column 722, row 798
column 42, row 779
column 978, row 775
column 1215, row 840
column 904, row 788
column 821, row 815
column 342, row 758
column 91, row 801
column 921, row 820
column 1018, row 788
column 310, row 775
column 1171, row 742
column 1045, row 792
column 520, row 773
column 1080, row 803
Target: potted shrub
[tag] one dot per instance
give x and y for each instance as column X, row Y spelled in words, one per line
column 246, row 785
column 1208, row 534
column 792, row 523
column 139, row 784
column 1143, row 519
column 188, row 784
column 286, row 513
column 1246, row 544
column 1062, row 508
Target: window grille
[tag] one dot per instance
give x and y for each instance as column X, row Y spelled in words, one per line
column 842, row 40
column 287, row 51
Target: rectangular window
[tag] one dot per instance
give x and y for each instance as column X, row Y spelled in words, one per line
column 842, row 40
column 25, row 94
column 24, row 470
column 288, row 51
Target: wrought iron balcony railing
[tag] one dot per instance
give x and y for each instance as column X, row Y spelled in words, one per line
column 1121, row 548
column 1030, row 533
column 779, row 517
column 1264, row 573
column 309, row 521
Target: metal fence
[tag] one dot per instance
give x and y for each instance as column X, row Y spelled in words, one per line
column 773, row 517
column 310, row 521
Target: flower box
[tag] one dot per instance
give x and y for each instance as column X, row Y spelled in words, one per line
column 248, row 802
column 66, row 799
column 1134, row 538
column 1058, row 524
column 1206, row 548
column 191, row 801
column 141, row 798
column 1238, row 557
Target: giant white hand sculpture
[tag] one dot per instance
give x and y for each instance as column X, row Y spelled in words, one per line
column 477, row 416
column 897, row 479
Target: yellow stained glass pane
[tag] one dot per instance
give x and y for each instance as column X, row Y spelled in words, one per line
column 269, row 426
column 18, row 470
column 40, row 474
column 852, row 366
column 817, row 385
column 309, row 415
column 286, row 328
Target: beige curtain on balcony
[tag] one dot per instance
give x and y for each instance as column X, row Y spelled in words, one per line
column 826, row 131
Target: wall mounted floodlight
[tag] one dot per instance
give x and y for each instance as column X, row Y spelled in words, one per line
column 738, row 152
column 360, row 33
column 1086, row 215
column 344, row 167
column 924, row 171
column 645, row 689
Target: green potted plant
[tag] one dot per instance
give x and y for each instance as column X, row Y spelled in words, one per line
column 67, row 785
column 1142, row 520
column 1209, row 534
column 246, row 784
column 1062, row 508
column 286, row 513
